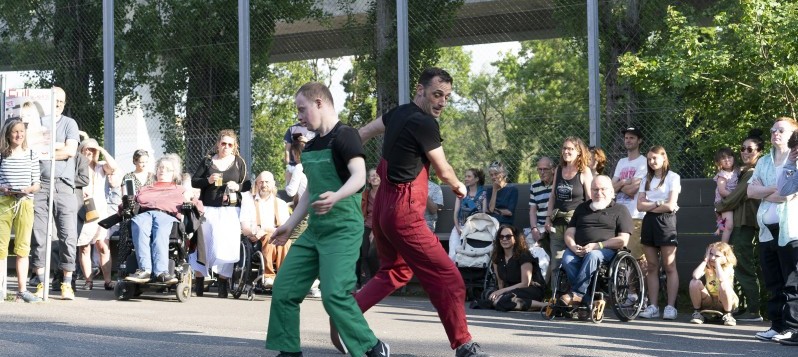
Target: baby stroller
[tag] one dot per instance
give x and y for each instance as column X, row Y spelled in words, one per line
column 472, row 257
column 179, row 241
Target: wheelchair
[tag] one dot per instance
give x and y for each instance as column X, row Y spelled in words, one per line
column 620, row 280
column 248, row 271
column 179, row 241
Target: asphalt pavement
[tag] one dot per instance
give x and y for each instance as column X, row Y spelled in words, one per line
column 96, row 324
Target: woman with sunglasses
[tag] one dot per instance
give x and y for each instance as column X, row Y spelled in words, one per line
column 19, row 179
column 519, row 279
column 777, row 235
column 744, row 226
column 571, row 187
column 221, row 177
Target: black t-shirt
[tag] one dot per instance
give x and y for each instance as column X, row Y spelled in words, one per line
column 409, row 135
column 346, row 145
column 510, row 272
column 598, row 226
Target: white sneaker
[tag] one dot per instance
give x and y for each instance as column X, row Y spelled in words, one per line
column 728, row 320
column 697, row 318
column 767, row 335
column 782, row 336
column 315, row 292
column 268, row 282
column 651, row 312
column 630, row 300
column 670, row 313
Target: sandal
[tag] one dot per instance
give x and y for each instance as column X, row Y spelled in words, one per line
column 88, row 285
column 109, row 285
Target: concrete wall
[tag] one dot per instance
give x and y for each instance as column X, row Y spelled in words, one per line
column 695, row 221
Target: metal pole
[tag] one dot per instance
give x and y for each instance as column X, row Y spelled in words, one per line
column 244, row 83
column 109, row 105
column 402, row 53
column 2, row 99
column 593, row 72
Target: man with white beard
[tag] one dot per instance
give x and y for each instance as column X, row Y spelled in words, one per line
column 599, row 228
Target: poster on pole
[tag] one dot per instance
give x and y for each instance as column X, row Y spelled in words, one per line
column 33, row 106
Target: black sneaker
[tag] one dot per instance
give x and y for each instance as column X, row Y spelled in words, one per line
column 792, row 341
column 140, row 276
column 34, row 281
column 167, row 278
column 381, row 349
column 290, row 354
column 470, row 349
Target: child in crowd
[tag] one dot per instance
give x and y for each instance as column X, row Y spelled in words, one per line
column 726, row 180
column 716, row 292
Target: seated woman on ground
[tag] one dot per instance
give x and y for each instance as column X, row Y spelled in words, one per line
column 717, row 269
column 159, row 207
column 520, row 282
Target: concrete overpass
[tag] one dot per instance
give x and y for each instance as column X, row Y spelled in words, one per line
column 477, row 22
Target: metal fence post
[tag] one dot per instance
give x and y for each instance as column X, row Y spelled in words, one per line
column 403, row 55
column 244, row 83
column 108, row 78
column 593, row 72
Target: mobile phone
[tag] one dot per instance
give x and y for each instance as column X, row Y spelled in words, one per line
column 793, row 142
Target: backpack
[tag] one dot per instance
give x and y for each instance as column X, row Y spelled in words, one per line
column 476, row 241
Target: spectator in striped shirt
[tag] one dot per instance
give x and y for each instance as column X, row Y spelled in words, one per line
column 539, row 202
column 19, row 179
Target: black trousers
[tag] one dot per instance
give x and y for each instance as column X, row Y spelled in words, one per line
column 788, row 257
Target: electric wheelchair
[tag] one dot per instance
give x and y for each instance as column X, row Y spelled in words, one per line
column 179, row 245
column 619, row 283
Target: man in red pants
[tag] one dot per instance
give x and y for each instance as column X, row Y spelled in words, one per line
column 404, row 243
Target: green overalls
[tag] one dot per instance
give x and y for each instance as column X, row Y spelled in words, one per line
column 328, row 249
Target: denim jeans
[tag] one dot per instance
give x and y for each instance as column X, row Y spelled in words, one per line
column 580, row 269
column 150, row 232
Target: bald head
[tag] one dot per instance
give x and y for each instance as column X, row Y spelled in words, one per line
column 264, row 184
column 60, row 101
column 603, row 192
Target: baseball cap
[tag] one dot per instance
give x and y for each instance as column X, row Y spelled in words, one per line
column 633, row 130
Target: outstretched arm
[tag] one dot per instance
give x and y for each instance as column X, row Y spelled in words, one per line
column 376, row 127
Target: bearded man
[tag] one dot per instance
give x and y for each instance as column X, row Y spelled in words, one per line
column 598, row 229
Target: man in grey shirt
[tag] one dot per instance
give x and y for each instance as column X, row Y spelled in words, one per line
column 64, row 201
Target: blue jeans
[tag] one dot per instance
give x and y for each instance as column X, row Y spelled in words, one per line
column 150, row 232
column 580, row 269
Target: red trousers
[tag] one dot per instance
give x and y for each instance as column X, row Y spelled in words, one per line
column 406, row 246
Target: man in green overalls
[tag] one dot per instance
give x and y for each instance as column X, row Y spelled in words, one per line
column 330, row 246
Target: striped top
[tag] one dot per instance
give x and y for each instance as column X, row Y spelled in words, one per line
column 20, row 170
column 539, row 197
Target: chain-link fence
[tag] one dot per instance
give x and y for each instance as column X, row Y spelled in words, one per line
column 520, row 71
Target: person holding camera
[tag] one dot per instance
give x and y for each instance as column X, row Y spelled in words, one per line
column 95, row 204
column 221, row 177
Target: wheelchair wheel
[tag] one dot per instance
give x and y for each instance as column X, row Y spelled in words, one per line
column 183, row 291
column 548, row 311
column 124, row 291
column 257, row 279
column 241, row 270
column 597, row 314
column 626, row 287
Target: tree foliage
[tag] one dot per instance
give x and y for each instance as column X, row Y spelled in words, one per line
column 737, row 74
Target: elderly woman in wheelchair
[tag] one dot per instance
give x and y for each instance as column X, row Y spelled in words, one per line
column 159, row 207
column 595, row 263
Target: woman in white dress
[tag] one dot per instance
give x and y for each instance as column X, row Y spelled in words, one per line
column 221, row 177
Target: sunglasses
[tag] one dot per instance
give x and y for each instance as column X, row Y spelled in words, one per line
column 227, row 144
column 779, row 130
column 505, row 236
column 749, row 149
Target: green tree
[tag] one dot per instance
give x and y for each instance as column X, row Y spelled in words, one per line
column 728, row 77
column 274, row 109
column 186, row 51
column 548, row 85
